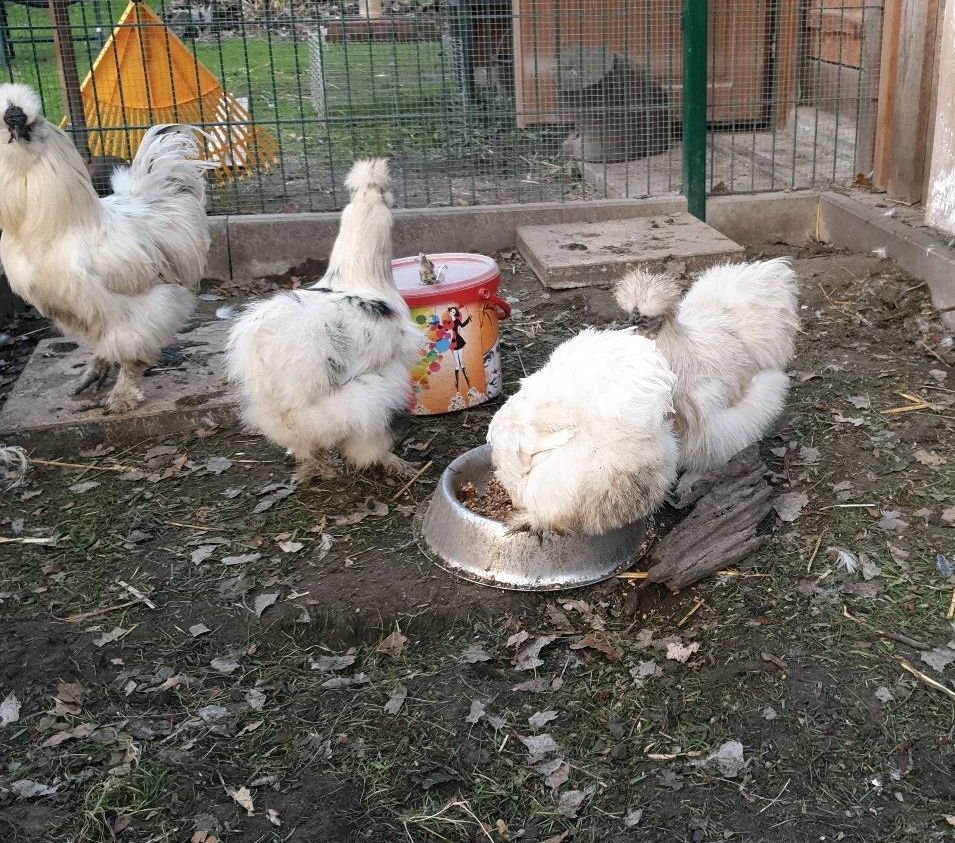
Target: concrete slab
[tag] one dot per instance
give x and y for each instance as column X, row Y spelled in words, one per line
column 41, row 413
column 593, row 254
column 854, row 222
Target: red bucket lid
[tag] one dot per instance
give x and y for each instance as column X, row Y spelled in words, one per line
column 464, row 275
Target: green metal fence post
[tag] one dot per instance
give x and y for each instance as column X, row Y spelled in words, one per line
column 694, row 106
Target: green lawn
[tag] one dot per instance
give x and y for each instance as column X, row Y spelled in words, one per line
column 381, row 98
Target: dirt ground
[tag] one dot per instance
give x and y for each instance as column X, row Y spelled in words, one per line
column 205, row 652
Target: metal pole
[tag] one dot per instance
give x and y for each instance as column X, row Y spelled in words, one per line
column 6, row 48
column 694, row 21
column 69, row 76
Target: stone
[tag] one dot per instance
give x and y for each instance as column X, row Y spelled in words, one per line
column 42, row 414
column 596, row 254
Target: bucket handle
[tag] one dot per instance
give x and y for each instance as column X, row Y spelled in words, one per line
column 501, row 307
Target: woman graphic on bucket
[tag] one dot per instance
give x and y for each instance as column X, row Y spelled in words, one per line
column 457, row 344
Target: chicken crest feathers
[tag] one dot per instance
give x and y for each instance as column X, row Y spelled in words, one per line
column 652, row 294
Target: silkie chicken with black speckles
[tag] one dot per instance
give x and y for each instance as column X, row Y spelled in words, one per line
column 327, row 368
column 116, row 274
column 586, row 445
column 728, row 341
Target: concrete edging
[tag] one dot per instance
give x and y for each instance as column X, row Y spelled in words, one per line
column 275, row 244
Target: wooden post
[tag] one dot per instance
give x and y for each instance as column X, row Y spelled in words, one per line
column 940, row 198
column 69, row 76
column 374, row 8
column 889, row 65
column 905, row 97
column 868, row 89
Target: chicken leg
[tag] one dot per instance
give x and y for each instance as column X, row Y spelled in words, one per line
column 93, row 375
column 126, row 394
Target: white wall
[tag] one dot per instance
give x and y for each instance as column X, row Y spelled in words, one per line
column 940, row 206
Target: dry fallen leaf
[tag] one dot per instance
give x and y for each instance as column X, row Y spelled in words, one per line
column 397, row 699
column 476, row 712
column 207, row 829
column 528, row 657
column 114, row 634
column 273, row 817
column 80, row 488
column 27, row 789
column 224, row 665
column 333, row 663
column 883, row 694
column 243, row 798
column 571, row 800
column 474, row 653
column 929, row 458
column 541, row 718
column 729, row 758
column 201, row 553
column 198, row 629
column 337, row 683
column 600, row 642
column 290, row 546
column 677, row 652
column 264, row 601
column 9, row 710
column 540, row 746
column 939, row 658
column 241, row 560
column 81, row 730
column 216, row 465
column 555, row 772
column 393, row 644
column 632, row 818
column 790, row 506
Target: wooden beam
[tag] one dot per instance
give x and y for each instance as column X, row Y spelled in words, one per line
column 885, row 118
column 940, row 195
column 914, row 82
column 69, row 76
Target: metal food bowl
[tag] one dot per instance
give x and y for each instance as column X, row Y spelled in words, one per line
column 480, row 550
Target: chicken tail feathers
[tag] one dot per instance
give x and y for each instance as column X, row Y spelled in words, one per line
column 167, row 162
column 164, row 192
column 726, row 431
column 361, row 256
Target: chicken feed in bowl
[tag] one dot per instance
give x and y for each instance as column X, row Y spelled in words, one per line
column 481, row 549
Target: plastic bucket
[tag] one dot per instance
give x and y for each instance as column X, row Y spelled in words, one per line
column 460, row 366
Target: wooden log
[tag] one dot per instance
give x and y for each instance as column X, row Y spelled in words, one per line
column 721, row 530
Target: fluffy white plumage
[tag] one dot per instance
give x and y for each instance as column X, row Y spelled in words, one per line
column 728, row 340
column 115, row 274
column 586, row 444
column 327, row 367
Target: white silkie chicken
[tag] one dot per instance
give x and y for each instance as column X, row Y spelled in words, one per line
column 327, row 367
column 728, row 341
column 114, row 274
column 586, row 444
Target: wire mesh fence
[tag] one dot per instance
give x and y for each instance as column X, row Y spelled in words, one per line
column 475, row 101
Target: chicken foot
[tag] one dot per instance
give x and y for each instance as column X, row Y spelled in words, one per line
column 375, row 449
column 95, row 374
column 317, row 464
column 126, row 394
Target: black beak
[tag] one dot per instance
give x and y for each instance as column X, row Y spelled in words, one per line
column 16, row 121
